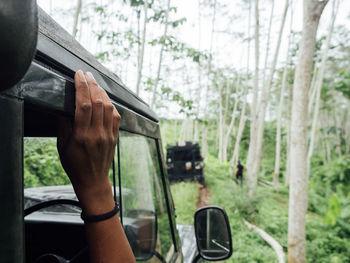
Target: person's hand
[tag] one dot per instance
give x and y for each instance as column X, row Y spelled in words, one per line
column 87, row 146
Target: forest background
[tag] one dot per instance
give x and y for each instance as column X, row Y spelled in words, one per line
column 231, row 75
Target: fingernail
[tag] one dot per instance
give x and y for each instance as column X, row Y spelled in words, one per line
column 90, row 75
column 80, row 73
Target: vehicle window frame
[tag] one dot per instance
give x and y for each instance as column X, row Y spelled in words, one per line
column 165, row 189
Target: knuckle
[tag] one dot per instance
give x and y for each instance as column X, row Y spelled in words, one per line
column 98, row 102
column 100, row 139
column 117, row 117
column 109, row 107
column 111, row 140
column 85, row 106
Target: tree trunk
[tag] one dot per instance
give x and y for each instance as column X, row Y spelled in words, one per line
column 205, row 140
column 289, row 106
column 252, row 143
column 220, row 124
column 199, row 95
column 299, row 179
column 279, row 117
column 76, row 18
column 312, row 90
column 243, row 118
column 252, row 174
column 141, row 49
column 154, row 96
column 319, row 82
column 337, row 132
column 270, row 240
column 205, row 129
column 232, row 122
column 289, row 127
column 268, row 40
column 175, row 132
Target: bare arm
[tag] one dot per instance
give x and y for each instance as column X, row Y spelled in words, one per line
column 86, row 149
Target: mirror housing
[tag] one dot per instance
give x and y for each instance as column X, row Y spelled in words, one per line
column 19, row 32
column 213, row 233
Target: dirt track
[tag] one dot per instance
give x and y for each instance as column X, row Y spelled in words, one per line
column 203, row 199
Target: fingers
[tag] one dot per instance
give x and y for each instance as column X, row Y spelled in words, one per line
column 94, row 109
column 116, row 123
column 111, row 119
column 108, row 112
column 83, row 107
column 96, row 101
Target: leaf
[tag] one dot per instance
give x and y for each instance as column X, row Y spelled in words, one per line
column 334, row 210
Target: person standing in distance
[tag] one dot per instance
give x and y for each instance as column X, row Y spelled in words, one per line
column 239, row 172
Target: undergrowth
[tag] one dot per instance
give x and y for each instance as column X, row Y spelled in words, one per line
column 327, row 240
column 185, row 195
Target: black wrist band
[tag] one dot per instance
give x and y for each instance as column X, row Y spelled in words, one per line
column 97, row 218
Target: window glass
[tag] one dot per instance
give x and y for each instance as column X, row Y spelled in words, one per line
column 44, row 176
column 142, row 191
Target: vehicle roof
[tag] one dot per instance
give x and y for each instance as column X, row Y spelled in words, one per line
column 118, row 90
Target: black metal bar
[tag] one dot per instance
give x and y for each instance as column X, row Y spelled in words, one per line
column 167, row 197
column 11, row 180
column 120, row 185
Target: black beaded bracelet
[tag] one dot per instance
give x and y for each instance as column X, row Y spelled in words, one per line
column 102, row 217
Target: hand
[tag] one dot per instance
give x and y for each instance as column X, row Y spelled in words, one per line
column 87, row 146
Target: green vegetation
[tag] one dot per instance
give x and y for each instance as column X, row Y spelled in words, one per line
column 327, row 226
column 185, row 195
column 42, row 165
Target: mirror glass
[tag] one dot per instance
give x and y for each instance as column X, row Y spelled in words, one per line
column 140, row 230
column 213, row 233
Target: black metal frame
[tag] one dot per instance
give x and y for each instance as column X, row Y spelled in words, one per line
column 11, row 180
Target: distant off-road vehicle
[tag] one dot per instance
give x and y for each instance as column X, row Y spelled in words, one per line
column 185, row 162
column 40, row 215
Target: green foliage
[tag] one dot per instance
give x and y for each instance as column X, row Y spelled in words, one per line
column 343, row 84
column 42, row 166
column 185, row 195
column 334, row 210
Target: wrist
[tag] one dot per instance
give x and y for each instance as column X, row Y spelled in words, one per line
column 96, row 199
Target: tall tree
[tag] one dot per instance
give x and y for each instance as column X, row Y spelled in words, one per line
column 254, row 161
column 243, row 117
column 199, row 95
column 154, row 95
column 319, row 82
column 253, row 119
column 141, row 49
column 280, row 108
column 232, row 121
column 267, row 49
column 205, row 126
column 299, row 178
column 76, row 18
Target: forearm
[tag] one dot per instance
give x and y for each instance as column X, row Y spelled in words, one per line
column 106, row 239
column 106, row 245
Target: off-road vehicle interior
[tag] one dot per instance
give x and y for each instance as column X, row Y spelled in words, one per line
column 40, row 218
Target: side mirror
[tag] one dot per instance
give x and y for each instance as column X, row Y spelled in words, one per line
column 213, row 234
